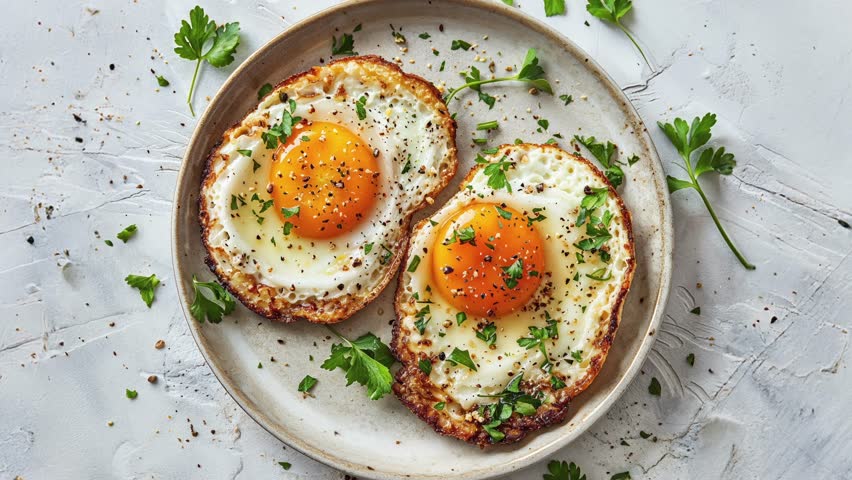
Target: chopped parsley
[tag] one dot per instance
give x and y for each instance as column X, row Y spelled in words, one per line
column 425, row 366
column 127, row 233
column 415, row 262
column 131, row 394
column 439, row 406
column 488, row 334
column 345, row 44
column 696, row 311
column 554, row 7
column 601, row 275
column 368, row 247
column 145, row 285
column 566, row 99
column 461, row 317
column 281, row 130
column 603, row 153
column 513, row 273
column 460, row 44
column 461, row 357
column 245, row 153
column 690, row 359
column 360, row 109
column 307, row 384
column 539, row 334
column 285, row 465
column 490, row 125
column 496, row 172
column 654, row 388
column 264, row 91
column 511, row 400
column 425, row 36
column 290, row 211
column 504, row 213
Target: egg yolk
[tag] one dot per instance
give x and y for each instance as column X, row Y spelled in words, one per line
column 487, row 260
column 330, row 174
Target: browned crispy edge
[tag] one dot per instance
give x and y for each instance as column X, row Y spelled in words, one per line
column 336, row 310
column 414, row 389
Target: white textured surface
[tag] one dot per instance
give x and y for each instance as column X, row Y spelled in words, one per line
column 764, row 400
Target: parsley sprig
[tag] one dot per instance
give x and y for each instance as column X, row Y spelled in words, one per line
column 687, row 140
column 194, row 35
column 365, row 360
column 530, row 73
column 212, row 308
column 563, row 471
column 611, row 11
column 538, row 335
column 282, row 130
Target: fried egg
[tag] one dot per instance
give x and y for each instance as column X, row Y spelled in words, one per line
column 511, row 295
column 306, row 203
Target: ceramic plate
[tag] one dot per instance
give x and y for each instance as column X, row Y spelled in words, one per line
column 340, row 426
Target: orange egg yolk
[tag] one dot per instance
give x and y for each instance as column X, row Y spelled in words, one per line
column 330, row 174
column 487, row 260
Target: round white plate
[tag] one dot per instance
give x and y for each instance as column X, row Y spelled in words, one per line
column 340, row 426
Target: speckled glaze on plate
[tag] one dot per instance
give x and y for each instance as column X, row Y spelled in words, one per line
column 381, row 439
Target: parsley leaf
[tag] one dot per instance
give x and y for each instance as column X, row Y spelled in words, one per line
column 281, row 130
column 345, row 44
column 195, row 34
column 290, row 211
column 460, row 44
column 264, row 91
column 360, row 109
column 687, row 139
column 425, row 36
column 654, row 388
column 461, row 317
column 461, row 357
column 131, row 394
column 145, row 285
column 566, row 98
column 612, row 11
column 161, row 81
column 222, row 303
column 488, row 334
column 603, row 153
column 621, row 476
column 425, row 366
column 530, row 73
column 285, row 465
column 539, row 334
column 512, row 399
column 496, row 172
column 125, row 234
column 307, row 384
column 415, row 262
column 365, row 360
column 513, row 273
column 554, row 7
column 690, row 359
column 563, row 471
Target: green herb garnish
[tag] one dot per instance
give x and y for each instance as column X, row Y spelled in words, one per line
column 145, row 285
column 603, row 152
column 161, row 81
column 221, row 303
column 131, row 394
column 612, row 11
column 125, row 234
column 366, row 360
column 264, row 91
column 488, row 334
column 496, row 172
column 360, row 109
column 460, row 44
column 194, row 35
column 530, row 73
column 688, row 139
column 563, row 471
column 461, row 357
column 307, row 384
column 425, row 366
column 344, row 45
column 654, row 388
column 415, row 262
column 554, row 7
column 513, row 273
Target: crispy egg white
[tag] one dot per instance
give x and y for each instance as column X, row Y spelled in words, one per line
column 315, row 227
column 534, row 228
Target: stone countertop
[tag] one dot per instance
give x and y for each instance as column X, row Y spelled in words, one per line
column 91, row 145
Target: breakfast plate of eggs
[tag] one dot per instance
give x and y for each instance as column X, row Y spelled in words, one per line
column 418, row 274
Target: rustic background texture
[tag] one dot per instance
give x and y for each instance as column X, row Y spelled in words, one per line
column 90, row 144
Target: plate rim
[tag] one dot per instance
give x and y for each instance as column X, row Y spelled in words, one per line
column 666, row 229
